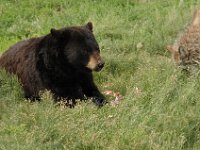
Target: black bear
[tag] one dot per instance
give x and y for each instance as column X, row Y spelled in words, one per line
column 61, row 61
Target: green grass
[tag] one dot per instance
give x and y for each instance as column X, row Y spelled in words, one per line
column 161, row 105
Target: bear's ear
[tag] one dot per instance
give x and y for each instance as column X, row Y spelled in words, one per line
column 55, row 33
column 89, row 26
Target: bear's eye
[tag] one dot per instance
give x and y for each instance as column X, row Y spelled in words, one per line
column 97, row 48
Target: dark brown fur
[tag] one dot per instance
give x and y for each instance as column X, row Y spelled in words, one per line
column 61, row 62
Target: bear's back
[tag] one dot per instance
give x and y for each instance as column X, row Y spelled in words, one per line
column 20, row 60
column 18, row 55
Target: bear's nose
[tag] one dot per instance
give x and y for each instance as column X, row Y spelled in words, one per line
column 100, row 65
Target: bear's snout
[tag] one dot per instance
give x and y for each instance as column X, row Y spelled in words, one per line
column 95, row 62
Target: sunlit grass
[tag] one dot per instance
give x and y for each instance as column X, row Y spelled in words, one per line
column 160, row 107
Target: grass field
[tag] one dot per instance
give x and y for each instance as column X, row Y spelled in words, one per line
column 160, row 107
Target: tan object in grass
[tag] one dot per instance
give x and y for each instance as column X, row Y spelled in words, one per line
column 118, row 97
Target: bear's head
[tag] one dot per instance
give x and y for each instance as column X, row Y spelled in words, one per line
column 79, row 47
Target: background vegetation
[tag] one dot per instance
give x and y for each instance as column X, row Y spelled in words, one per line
column 160, row 107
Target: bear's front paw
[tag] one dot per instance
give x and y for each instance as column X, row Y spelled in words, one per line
column 99, row 101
